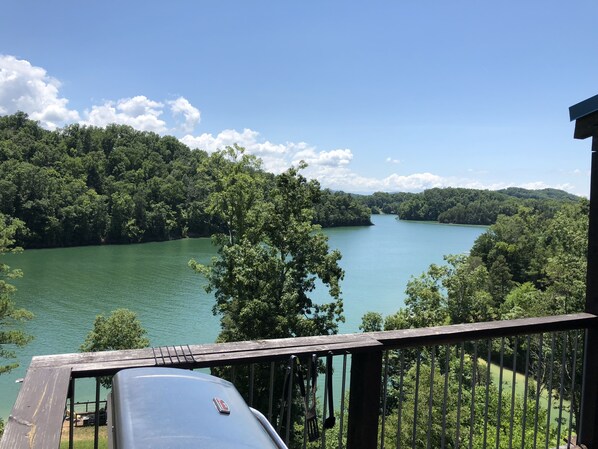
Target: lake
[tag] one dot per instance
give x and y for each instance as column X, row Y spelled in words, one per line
column 67, row 287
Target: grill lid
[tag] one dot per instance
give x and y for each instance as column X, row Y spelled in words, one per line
column 174, row 408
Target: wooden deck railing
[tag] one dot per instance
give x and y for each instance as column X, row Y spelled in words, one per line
column 37, row 418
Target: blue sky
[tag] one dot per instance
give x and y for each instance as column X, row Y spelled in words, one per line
column 394, row 96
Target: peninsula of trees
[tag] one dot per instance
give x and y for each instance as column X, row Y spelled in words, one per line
column 465, row 206
column 84, row 185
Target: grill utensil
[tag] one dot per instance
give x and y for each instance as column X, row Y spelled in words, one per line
column 311, row 418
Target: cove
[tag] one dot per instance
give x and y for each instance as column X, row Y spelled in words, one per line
column 67, row 287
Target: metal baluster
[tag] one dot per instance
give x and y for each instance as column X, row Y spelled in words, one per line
column 325, row 404
column 458, row 435
column 498, row 413
column 431, row 398
column 400, row 410
column 488, row 357
column 251, row 381
column 561, row 389
column 445, row 399
column 384, row 395
column 72, row 412
column 289, row 401
column 539, row 382
column 271, row 392
column 583, row 383
column 342, row 399
column 573, row 370
column 549, row 409
column 474, row 364
column 307, row 390
column 525, row 390
column 96, row 430
column 416, row 399
column 513, row 392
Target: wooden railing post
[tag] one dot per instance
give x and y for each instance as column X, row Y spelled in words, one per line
column 588, row 434
column 38, row 414
column 364, row 400
column 585, row 115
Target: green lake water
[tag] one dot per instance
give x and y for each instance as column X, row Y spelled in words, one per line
column 67, row 287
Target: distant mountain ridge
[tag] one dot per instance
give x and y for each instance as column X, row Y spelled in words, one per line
column 466, row 206
column 541, row 194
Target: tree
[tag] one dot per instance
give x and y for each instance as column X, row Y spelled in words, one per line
column 121, row 330
column 371, row 322
column 271, row 255
column 10, row 315
column 448, row 294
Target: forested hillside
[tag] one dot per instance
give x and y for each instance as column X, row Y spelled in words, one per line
column 384, row 202
column 465, row 206
column 341, row 209
column 85, row 185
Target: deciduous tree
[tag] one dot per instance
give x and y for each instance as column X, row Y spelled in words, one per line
column 271, row 256
column 11, row 336
column 121, row 330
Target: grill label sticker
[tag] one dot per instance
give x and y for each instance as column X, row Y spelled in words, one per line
column 221, row 406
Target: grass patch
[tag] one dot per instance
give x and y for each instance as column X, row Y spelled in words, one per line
column 83, row 437
column 507, row 385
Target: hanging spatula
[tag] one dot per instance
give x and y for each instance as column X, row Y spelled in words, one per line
column 311, row 418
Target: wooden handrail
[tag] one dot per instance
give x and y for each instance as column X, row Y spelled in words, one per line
column 457, row 333
column 92, row 364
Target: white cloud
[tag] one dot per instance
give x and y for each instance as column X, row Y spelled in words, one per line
column 534, row 185
column 415, row 181
column 393, row 161
column 191, row 114
column 144, row 114
column 275, row 157
column 202, row 142
column 334, row 158
column 139, row 112
column 27, row 88
column 542, row 185
column 348, row 180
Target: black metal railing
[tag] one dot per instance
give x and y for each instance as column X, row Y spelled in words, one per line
column 450, row 396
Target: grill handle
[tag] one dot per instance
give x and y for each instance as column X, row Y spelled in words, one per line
column 268, row 428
